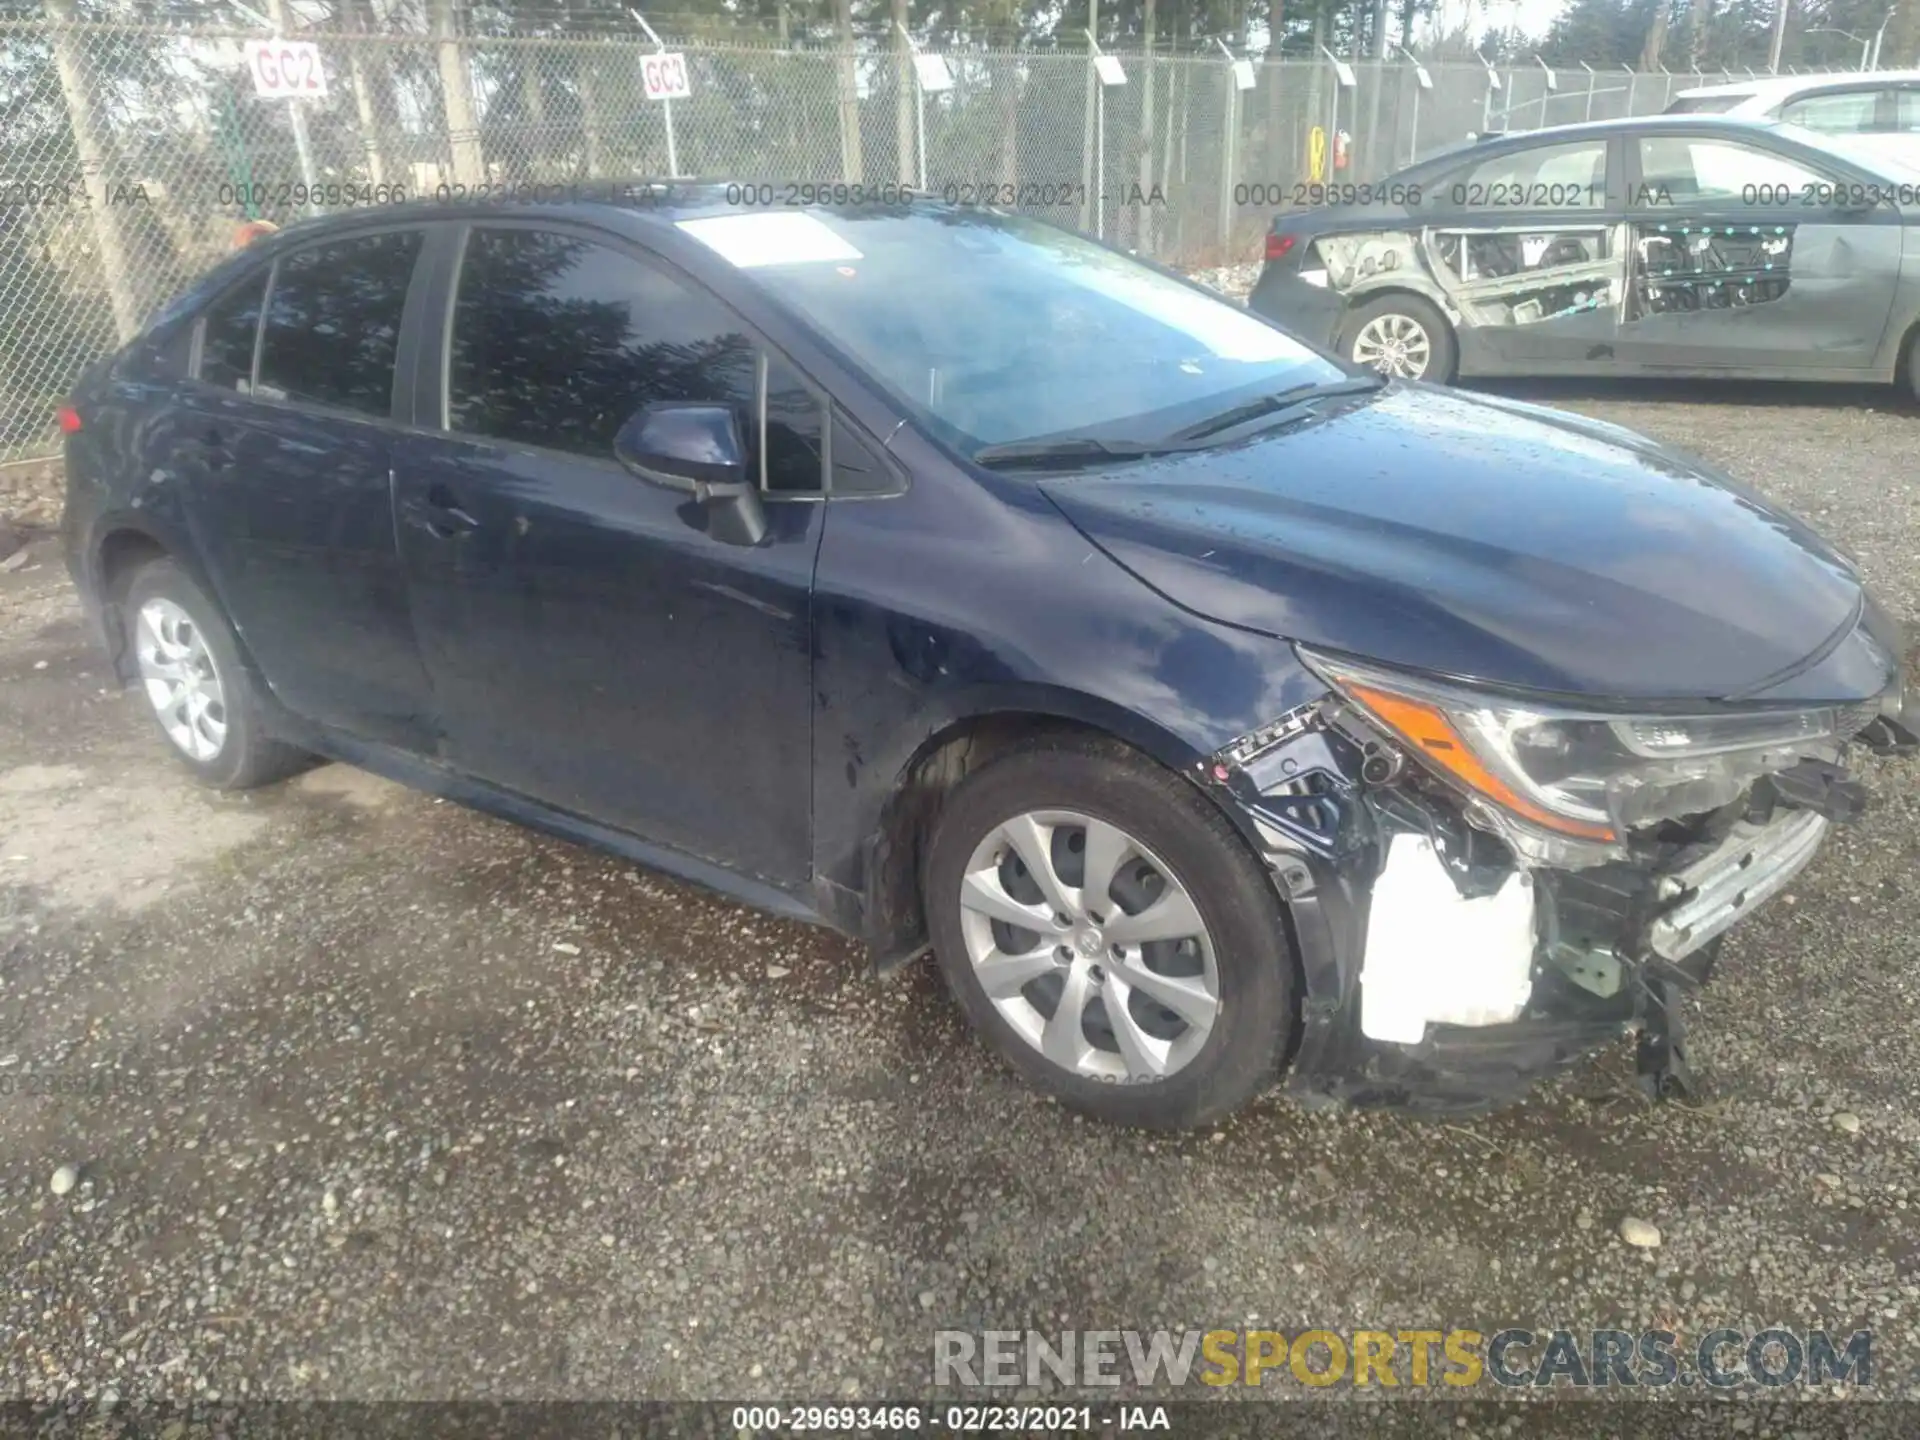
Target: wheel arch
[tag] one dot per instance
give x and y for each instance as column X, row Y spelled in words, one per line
column 1901, row 371
column 121, row 551
column 893, row 921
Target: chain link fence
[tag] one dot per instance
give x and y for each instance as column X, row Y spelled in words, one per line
column 130, row 154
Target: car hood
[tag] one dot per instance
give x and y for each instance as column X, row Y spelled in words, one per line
column 1484, row 539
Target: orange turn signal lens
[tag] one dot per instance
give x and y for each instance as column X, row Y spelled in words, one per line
column 1432, row 736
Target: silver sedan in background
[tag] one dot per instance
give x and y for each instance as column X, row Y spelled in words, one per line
column 1661, row 245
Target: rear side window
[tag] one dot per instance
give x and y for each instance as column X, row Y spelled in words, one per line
column 333, row 322
column 1850, row 112
column 1547, row 177
column 227, row 335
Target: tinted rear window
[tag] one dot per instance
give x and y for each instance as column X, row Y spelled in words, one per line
column 333, row 322
column 226, row 342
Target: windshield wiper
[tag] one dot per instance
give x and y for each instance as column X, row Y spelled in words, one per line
column 1291, row 398
column 1074, row 450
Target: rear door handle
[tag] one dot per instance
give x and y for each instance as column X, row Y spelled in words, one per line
column 444, row 517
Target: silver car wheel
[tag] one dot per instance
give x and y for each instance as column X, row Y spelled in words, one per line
column 182, row 681
column 1394, row 345
column 1089, row 946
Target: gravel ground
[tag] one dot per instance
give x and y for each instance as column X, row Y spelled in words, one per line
column 385, row 1098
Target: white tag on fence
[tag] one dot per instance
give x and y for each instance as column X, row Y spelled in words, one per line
column 665, row 76
column 286, row 68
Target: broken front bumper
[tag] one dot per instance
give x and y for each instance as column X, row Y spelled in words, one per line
column 1441, row 975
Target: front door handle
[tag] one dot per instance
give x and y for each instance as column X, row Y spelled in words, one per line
column 209, row 451
column 444, row 517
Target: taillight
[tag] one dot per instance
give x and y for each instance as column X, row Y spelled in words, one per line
column 69, row 419
column 1278, row 246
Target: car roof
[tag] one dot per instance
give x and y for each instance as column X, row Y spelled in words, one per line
column 1779, row 87
column 597, row 201
column 1495, row 144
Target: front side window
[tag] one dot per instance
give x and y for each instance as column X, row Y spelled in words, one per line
column 558, row 340
column 1850, row 112
column 333, row 322
column 1684, row 169
column 795, row 434
column 227, row 335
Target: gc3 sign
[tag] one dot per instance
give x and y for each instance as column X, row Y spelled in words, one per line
column 666, row 77
column 286, row 68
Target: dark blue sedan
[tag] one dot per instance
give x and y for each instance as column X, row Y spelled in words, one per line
column 1215, row 711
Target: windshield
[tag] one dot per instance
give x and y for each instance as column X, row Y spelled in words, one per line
column 996, row 328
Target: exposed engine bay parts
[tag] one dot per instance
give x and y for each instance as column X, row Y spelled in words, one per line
column 1470, row 920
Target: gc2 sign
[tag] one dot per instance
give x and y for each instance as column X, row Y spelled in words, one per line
column 666, row 77
column 286, row 68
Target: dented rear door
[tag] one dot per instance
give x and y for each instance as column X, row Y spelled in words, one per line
column 1740, row 260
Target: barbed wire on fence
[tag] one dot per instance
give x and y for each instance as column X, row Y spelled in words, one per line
column 130, row 153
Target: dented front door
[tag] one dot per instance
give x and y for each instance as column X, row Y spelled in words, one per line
column 1739, row 261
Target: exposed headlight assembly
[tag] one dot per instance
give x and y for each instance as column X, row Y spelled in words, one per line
column 1553, row 776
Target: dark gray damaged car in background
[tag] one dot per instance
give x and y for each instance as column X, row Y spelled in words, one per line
column 1662, row 245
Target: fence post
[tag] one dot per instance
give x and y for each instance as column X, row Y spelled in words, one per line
column 1086, row 128
column 846, row 63
column 904, row 104
column 1228, row 159
column 1176, row 113
column 92, row 156
column 666, row 106
column 296, row 116
column 1143, row 235
column 456, row 94
column 364, row 107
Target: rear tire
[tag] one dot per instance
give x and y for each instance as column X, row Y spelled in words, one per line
column 1907, row 381
column 1225, row 962
column 198, row 691
column 1404, row 336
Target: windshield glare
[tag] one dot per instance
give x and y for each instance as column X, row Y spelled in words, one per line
column 995, row 328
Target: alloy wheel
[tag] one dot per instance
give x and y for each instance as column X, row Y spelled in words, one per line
column 182, row 681
column 1089, row 946
column 1394, row 344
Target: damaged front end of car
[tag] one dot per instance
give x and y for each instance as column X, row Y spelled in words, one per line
column 1485, row 889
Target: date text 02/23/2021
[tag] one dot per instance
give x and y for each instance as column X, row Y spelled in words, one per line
column 953, row 1419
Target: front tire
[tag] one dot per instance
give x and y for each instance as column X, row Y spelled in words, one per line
column 1402, row 336
column 195, row 685
column 1110, row 935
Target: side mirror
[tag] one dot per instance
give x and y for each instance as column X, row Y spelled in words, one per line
column 696, row 449
column 692, row 448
